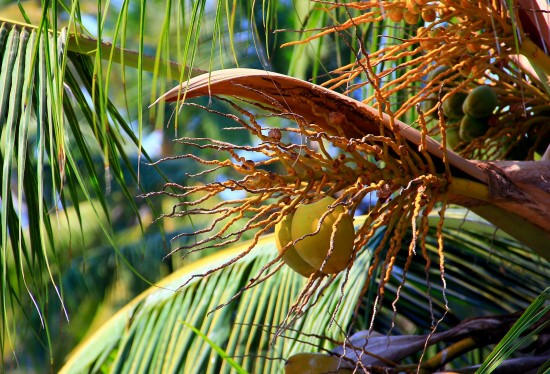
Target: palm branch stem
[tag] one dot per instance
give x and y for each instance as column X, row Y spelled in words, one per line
column 85, row 45
column 520, row 228
column 536, row 56
column 447, row 354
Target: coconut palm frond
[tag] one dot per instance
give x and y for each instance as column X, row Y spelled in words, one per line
column 64, row 144
column 479, row 260
column 517, row 337
column 95, row 282
column 68, row 138
column 94, row 286
column 148, row 333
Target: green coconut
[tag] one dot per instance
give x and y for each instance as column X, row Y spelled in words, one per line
column 289, row 254
column 472, row 127
column 453, row 133
column 452, row 107
column 428, row 104
column 336, row 234
column 436, row 72
column 481, row 102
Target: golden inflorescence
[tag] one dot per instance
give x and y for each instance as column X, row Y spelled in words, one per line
column 307, row 185
column 456, row 64
column 477, row 43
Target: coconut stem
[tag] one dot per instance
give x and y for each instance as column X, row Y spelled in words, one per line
column 536, row 56
column 469, row 188
column 531, row 235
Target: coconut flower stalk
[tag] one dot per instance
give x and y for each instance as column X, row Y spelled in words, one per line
column 410, row 156
column 334, row 146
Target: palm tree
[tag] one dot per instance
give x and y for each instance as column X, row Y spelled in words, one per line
column 384, row 106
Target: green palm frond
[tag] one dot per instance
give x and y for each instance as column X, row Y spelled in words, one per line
column 94, row 273
column 538, row 310
column 480, row 262
column 148, row 334
column 65, row 143
column 52, row 137
column 55, row 116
